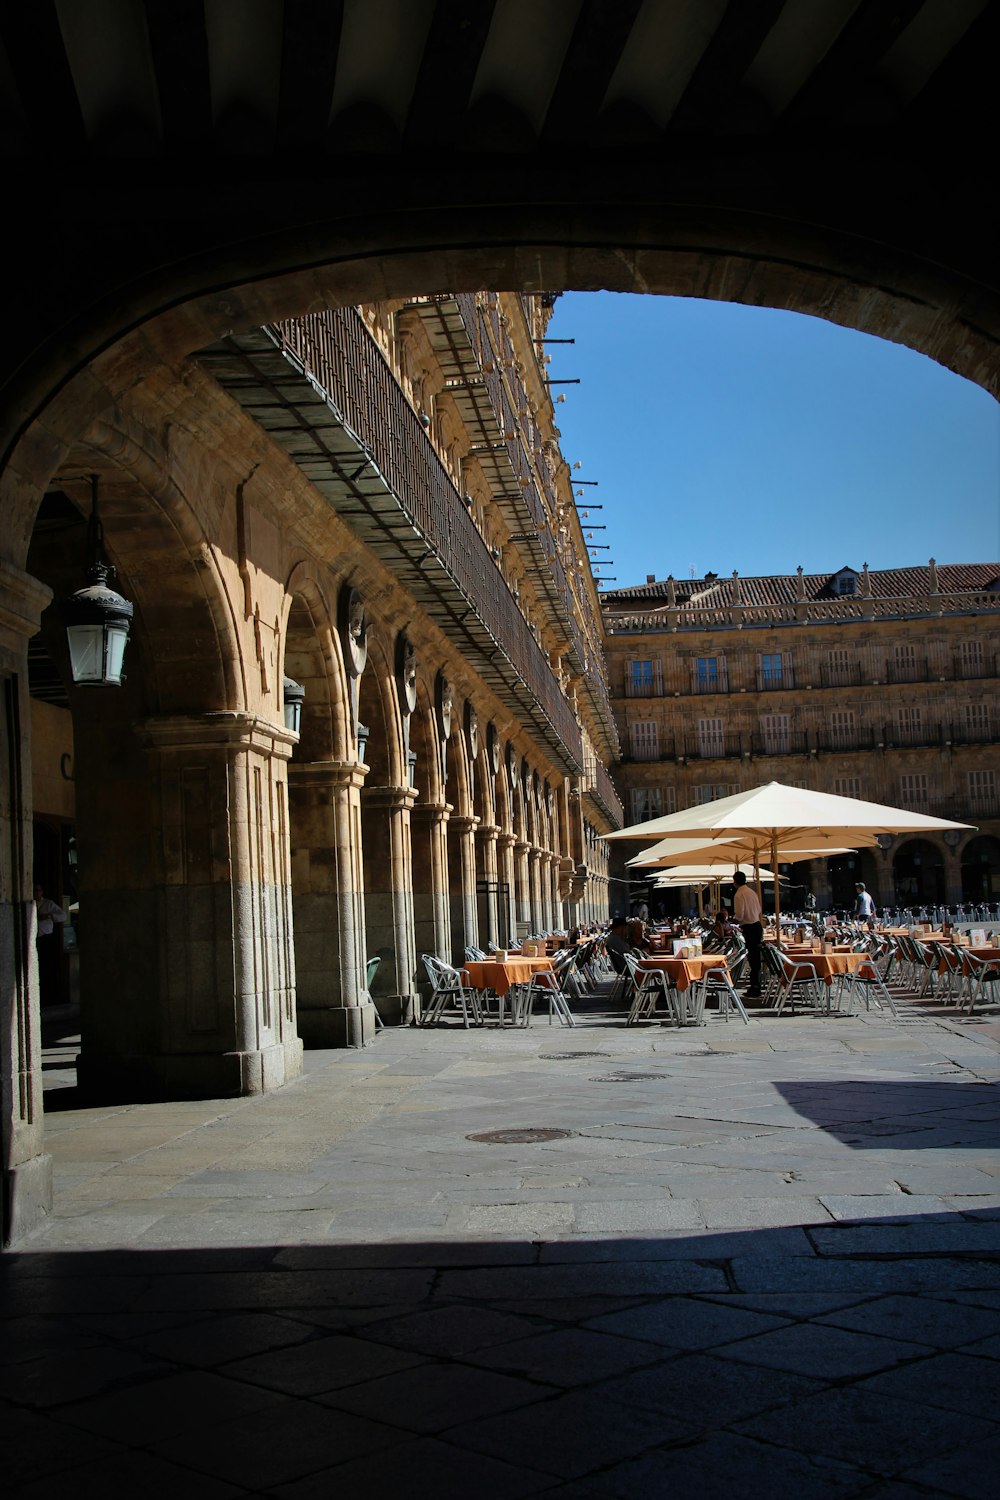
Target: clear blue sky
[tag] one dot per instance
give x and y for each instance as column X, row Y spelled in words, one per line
column 740, row 437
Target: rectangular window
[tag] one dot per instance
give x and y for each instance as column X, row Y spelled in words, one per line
column 904, row 660
column 711, row 738
column 977, row 721
column 645, row 740
column 982, row 787
column 971, row 659
column 772, row 670
column 913, row 791
column 644, row 803
column 775, row 734
column 714, row 792
column 841, row 669
column 847, row 786
column 641, row 679
column 843, row 729
column 909, row 725
column 706, row 671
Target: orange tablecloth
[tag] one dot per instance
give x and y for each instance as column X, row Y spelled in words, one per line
column 976, row 953
column 685, row 971
column 499, row 977
column 803, row 950
column 827, row 965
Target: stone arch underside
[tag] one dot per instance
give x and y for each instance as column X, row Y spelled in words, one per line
column 688, row 248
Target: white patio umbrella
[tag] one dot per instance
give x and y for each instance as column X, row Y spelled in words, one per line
column 785, row 818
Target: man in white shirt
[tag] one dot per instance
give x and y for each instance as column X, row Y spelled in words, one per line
column 746, row 910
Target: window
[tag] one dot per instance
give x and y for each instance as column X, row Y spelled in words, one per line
column 711, row 738
column 774, row 670
column 913, row 791
column 708, row 674
column 642, row 679
column 971, row 659
column 982, row 791
column 645, row 740
column 845, row 583
column 904, row 660
column 977, row 721
column 843, row 729
column 909, row 725
column 774, row 734
column 841, row 671
column 713, row 793
column 645, row 802
column 847, row 786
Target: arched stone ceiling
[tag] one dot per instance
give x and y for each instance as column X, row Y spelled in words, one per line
column 827, row 155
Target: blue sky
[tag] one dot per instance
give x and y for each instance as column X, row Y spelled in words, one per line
column 740, row 437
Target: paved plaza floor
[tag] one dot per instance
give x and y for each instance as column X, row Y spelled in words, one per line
column 599, row 1262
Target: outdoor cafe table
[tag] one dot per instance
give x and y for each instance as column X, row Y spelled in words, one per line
column 500, row 975
column 829, row 966
column 685, row 972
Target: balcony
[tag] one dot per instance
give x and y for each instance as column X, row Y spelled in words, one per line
column 323, row 391
column 845, row 742
column 843, row 674
column 601, row 788
column 779, row 744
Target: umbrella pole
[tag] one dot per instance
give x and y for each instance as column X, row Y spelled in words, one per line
column 777, row 888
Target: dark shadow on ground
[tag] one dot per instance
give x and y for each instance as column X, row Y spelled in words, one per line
column 874, row 1113
column 848, row 1359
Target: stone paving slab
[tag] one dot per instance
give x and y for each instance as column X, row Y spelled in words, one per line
column 759, row 1261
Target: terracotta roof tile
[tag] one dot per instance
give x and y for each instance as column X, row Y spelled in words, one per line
column 783, row 588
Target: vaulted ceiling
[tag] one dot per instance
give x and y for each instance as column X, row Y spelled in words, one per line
column 158, row 150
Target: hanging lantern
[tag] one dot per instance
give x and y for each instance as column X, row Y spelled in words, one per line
column 294, row 696
column 97, row 619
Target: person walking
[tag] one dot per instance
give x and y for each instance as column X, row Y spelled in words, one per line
column 747, row 911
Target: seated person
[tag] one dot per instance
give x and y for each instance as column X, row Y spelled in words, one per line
column 617, row 944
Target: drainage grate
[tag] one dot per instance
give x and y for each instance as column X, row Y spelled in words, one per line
column 518, row 1137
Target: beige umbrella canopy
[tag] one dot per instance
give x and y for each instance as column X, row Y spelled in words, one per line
column 776, row 817
column 730, row 852
column 705, row 875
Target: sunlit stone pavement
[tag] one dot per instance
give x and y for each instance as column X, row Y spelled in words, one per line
column 734, row 1260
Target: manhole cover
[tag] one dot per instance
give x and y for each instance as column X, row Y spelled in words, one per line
column 568, row 1056
column 628, row 1078
column 518, row 1137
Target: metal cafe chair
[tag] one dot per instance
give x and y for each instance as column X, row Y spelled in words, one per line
column 448, row 992
column 651, row 985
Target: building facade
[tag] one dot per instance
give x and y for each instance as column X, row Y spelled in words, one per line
column 366, row 509
column 878, row 685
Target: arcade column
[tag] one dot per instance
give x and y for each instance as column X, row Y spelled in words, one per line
column 388, row 861
column 187, row 968
column 26, row 1167
column 328, row 890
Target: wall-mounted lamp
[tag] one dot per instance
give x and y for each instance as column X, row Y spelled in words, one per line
column 97, row 619
column 411, row 767
column 468, row 500
column 294, row 695
column 363, row 734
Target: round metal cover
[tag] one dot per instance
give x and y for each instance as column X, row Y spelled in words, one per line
column 631, row 1078
column 567, row 1056
column 521, row 1137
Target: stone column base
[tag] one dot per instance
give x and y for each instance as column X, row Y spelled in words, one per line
column 398, row 1010
column 338, row 1026
column 27, row 1197
column 225, row 1075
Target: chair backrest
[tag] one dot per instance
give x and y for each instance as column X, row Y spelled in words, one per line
column 475, row 955
column 371, row 969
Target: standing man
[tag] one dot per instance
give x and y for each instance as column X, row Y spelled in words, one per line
column 746, row 910
column 48, row 916
column 864, row 906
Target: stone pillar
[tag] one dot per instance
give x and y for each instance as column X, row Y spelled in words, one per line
column 487, row 903
column 952, row 876
column 328, row 886
column 462, row 884
column 885, row 890
column 187, row 968
column 536, row 914
column 506, row 875
column 431, row 924
column 522, row 888
column 389, row 900
column 26, row 1167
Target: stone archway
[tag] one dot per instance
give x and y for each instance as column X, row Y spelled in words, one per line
column 918, row 873
column 981, row 870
